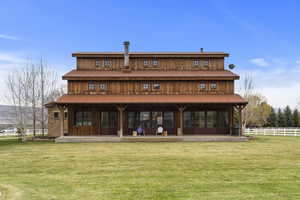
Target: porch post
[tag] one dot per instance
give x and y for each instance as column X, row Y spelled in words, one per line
column 240, row 121
column 121, row 110
column 61, row 113
column 180, row 130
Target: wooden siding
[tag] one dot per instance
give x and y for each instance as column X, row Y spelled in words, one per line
column 164, row 64
column 136, row 87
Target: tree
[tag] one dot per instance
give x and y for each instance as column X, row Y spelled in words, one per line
column 288, row 117
column 272, row 119
column 281, row 119
column 296, row 118
column 27, row 88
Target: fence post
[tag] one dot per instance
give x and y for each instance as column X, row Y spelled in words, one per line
column 283, row 131
column 295, row 130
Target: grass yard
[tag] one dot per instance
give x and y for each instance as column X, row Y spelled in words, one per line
column 266, row 168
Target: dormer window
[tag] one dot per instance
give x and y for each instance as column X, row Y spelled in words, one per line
column 98, row 63
column 146, row 86
column 146, row 63
column 213, row 85
column 202, row 85
column 91, row 86
column 107, row 62
column 200, row 63
column 102, row 86
column 156, row 86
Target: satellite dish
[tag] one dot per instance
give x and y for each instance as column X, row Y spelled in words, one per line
column 231, row 66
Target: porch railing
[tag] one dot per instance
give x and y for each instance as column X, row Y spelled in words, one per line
column 273, row 131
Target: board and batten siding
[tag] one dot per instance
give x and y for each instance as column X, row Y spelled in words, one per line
column 137, row 64
column 136, row 87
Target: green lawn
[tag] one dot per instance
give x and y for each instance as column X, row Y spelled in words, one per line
column 266, row 168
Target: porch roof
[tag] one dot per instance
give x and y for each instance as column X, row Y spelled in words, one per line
column 156, row 75
column 154, row 99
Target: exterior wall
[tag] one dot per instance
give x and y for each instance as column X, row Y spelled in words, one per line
column 54, row 123
column 164, row 64
column 166, row 87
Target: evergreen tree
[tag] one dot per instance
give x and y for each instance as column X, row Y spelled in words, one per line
column 288, row 117
column 272, row 119
column 296, row 118
column 281, row 119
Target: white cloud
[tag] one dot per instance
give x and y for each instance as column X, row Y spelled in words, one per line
column 11, row 58
column 259, row 62
column 8, row 37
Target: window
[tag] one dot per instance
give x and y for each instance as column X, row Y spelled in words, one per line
column 146, row 86
column 211, row 119
column 98, row 63
column 223, row 119
column 109, row 119
column 213, row 85
column 83, row 118
column 102, row 86
column 201, row 63
column 91, row 86
column 155, row 62
column 168, row 120
column 146, row 62
column 196, row 62
column 195, row 119
column 202, row 85
column 107, row 62
column 66, row 115
column 156, row 86
column 56, row 115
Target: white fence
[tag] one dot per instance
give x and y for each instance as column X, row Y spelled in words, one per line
column 28, row 132
column 273, row 131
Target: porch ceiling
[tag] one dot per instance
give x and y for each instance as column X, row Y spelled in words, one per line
column 153, row 99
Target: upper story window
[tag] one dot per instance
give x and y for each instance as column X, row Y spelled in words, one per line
column 107, row 62
column 98, row 63
column 102, row 86
column 200, row 63
column 213, row 85
column 156, row 86
column 202, row 85
column 196, row 62
column 146, row 62
column 146, row 86
column 56, row 115
column 91, row 86
column 155, row 62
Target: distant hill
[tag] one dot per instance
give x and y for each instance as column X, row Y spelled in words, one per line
column 7, row 115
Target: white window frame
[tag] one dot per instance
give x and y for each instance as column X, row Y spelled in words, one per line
column 196, row 62
column 155, row 62
column 91, row 86
column 202, row 85
column 107, row 62
column 213, row 85
column 102, row 86
column 146, row 62
column 146, row 86
column 98, row 62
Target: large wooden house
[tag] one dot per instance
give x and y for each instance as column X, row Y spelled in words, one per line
column 114, row 93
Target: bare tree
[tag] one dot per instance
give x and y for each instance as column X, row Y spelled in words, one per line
column 28, row 87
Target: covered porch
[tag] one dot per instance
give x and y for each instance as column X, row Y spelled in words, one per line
column 183, row 117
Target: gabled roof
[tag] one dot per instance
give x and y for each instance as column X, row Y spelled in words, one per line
column 138, row 99
column 151, row 54
column 149, row 75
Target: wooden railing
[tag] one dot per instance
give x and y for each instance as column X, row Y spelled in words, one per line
column 273, row 131
column 28, row 132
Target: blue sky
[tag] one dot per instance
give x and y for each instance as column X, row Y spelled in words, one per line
column 262, row 37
